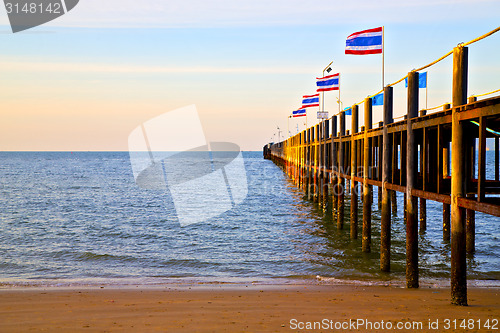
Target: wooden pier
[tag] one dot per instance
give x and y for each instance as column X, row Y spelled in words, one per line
column 425, row 156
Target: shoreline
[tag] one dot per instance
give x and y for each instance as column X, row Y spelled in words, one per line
column 197, row 281
column 237, row 308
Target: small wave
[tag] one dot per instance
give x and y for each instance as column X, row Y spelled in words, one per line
column 5, row 266
column 90, row 256
column 337, row 281
column 188, row 263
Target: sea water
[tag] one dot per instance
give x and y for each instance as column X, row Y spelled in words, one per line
column 80, row 219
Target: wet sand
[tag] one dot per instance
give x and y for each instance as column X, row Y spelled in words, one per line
column 252, row 308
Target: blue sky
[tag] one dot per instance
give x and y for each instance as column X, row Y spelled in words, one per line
column 87, row 79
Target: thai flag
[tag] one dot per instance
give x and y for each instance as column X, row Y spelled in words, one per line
column 327, row 83
column 299, row 113
column 365, row 42
column 310, row 101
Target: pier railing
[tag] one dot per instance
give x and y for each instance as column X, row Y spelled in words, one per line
column 425, row 156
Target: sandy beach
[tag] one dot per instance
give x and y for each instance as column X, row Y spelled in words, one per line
column 251, row 308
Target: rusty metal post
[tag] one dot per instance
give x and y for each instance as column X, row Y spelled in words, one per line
column 354, row 184
column 458, row 190
column 385, row 223
column 340, row 188
column 411, row 173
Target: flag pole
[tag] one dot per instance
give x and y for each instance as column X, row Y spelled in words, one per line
column 340, row 107
column 425, row 91
column 288, row 126
column 323, row 93
column 383, row 53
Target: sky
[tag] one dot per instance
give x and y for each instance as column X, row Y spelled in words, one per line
column 86, row 80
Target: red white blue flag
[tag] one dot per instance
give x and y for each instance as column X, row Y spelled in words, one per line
column 365, row 42
column 327, row 83
column 310, row 101
column 299, row 113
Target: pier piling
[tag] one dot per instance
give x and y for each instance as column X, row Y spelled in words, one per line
column 367, row 208
column 354, row 183
column 385, row 224
column 341, row 168
column 458, row 239
column 411, row 201
column 388, row 157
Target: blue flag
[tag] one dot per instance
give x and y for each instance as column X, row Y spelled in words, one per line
column 378, row 99
column 422, row 80
column 348, row 111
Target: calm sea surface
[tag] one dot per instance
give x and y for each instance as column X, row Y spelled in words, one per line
column 79, row 218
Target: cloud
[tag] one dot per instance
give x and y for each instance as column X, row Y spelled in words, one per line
column 224, row 13
column 15, row 66
column 53, row 67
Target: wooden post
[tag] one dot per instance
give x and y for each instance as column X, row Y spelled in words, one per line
column 423, row 169
column 309, row 163
column 354, row 184
column 304, row 160
column 402, row 170
column 423, row 215
column 340, row 188
column 326, row 135
column 481, row 162
column 458, row 239
column 394, row 168
column 411, row 201
column 333, row 178
column 316, row 162
column 394, row 203
column 446, row 207
column 324, row 194
column 497, row 164
column 446, row 222
column 301, row 160
column 367, row 207
column 385, row 223
column 470, row 230
column 405, row 204
column 362, row 164
column 321, row 162
column 379, row 167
